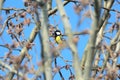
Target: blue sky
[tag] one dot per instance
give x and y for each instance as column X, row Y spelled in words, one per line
column 56, row 20
column 86, row 24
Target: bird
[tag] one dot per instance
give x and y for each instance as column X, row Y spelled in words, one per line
column 58, row 36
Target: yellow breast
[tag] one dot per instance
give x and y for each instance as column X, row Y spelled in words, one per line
column 58, row 39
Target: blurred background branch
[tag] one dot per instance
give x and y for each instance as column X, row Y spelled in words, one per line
column 72, row 46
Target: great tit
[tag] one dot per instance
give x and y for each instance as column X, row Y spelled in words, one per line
column 58, row 36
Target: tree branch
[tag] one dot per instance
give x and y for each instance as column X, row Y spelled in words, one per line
column 92, row 40
column 72, row 46
column 46, row 55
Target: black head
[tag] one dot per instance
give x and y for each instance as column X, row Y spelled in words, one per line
column 57, row 33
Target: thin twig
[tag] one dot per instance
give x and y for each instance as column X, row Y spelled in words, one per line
column 55, row 9
column 15, row 9
column 10, row 69
column 7, row 20
column 8, row 48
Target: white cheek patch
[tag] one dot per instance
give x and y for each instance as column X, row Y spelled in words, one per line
column 58, row 33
